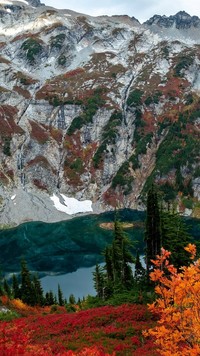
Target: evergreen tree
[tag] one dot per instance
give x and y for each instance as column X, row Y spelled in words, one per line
column 152, row 227
column 72, row 299
column 175, row 237
column 121, row 257
column 27, row 288
column 109, row 263
column 164, row 228
column 6, row 288
column 99, row 281
column 118, row 272
column 38, row 291
column 15, row 287
column 49, row 297
column 60, row 296
column 1, row 284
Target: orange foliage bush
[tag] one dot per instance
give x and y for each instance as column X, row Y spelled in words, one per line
column 178, row 305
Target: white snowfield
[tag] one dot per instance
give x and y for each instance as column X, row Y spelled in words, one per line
column 10, row 2
column 71, row 206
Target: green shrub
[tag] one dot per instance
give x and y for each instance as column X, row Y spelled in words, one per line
column 123, row 179
column 76, row 124
column 109, row 136
column 134, row 98
column 154, row 99
column 189, row 99
column 77, row 165
column 57, row 41
column 6, row 146
column 62, row 60
column 24, row 81
column 55, row 101
column 165, row 51
column 184, row 63
column 90, row 109
column 54, row 308
column 32, row 47
column 169, row 192
column 98, row 154
column 194, row 115
column 188, row 203
column 8, row 315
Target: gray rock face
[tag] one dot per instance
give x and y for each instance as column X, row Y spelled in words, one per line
column 181, row 20
column 87, row 105
column 34, row 3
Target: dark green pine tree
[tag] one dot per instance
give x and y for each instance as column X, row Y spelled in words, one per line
column 121, row 258
column 15, row 287
column 99, row 281
column 118, row 274
column 72, row 299
column 127, row 259
column 1, row 284
column 109, row 273
column 38, row 291
column 6, row 288
column 61, row 301
column 152, row 227
column 27, row 288
column 175, row 237
column 109, row 263
column 49, row 298
column 1, row 290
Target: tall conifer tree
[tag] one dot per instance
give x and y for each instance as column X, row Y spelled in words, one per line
column 152, row 227
column 15, row 287
column 99, row 281
column 175, row 237
column 60, row 296
column 27, row 288
column 38, row 291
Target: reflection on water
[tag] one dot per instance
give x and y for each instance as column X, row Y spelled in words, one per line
column 67, row 246
column 62, row 247
column 79, row 283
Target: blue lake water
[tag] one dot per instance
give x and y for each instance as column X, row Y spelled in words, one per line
column 79, row 283
column 62, row 248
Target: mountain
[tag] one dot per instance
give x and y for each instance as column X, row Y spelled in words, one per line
column 97, row 108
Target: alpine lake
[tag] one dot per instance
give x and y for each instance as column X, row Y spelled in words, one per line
column 66, row 252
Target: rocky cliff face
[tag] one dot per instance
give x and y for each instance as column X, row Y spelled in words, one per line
column 181, row 20
column 97, row 108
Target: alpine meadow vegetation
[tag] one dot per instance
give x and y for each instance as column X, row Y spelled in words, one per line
column 152, row 311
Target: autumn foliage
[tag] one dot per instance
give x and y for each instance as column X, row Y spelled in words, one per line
column 99, row 331
column 178, row 306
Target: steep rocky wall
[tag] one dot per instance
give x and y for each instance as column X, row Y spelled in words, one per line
column 97, row 108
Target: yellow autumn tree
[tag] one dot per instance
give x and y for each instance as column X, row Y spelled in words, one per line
column 178, row 306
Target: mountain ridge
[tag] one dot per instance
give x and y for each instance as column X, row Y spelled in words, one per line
column 90, row 107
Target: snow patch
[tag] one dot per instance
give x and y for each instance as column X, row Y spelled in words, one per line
column 10, row 2
column 71, row 206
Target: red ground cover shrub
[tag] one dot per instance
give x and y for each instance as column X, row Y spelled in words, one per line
column 100, row 331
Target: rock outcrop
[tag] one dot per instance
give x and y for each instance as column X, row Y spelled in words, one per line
column 97, row 108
